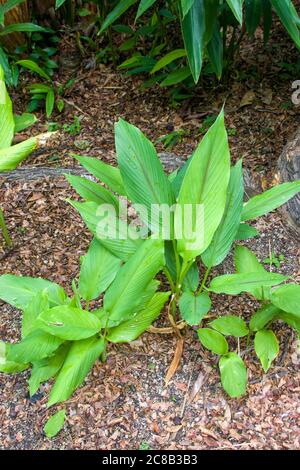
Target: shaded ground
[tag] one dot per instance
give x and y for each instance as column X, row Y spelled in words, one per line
column 123, row 403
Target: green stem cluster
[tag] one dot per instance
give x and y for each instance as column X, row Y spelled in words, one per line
column 3, row 227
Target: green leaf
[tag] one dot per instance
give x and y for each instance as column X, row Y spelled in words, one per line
column 245, row 232
column 233, row 375
column 270, row 200
column 92, row 191
column 7, row 124
column 50, row 100
column 59, row 3
column 12, row 156
column 9, row 367
column 266, row 347
column 55, row 424
column 142, row 172
column 118, row 11
column 230, row 325
column 133, row 328
column 267, row 19
column 122, row 299
column 47, row 368
column 193, row 31
column 194, row 307
column 287, row 298
column 205, row 183
column 36, row 306
column 23, row 28
column 34, row 67
column 121, row 242
column 289, row 18
column 237, row 9
column 98, row 270
column 226, row 232
column 69, row 323
column 143, row 7
column 178, row 76
column 253, row 15
column 108, row 174
column 33, row 347
column 291, row 319
column 234, row 284
column 246, row 262
column 168, row 58
column 24, row 121
column 19, row 291
column 192, row 279
column 263, row 316
column 186, row 6
column 80, row 359
column 213, row 340
column 39, row 88
column 215, row 51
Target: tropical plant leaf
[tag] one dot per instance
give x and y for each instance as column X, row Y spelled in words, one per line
column 204, row 186
column 80, row 359
column 24, row 121
column 215, row 51
column 33, row 347
column 23, row 28
column 177, row 76
column 213, row 340
column 98, row 270
column 143, row 7
column 289, row 18
column 192, row 279
column 122, row 299
column 186, row 6
column 246, row 231
column 246, row 262
column 233, row 375
column 50, row 101
column 230, row 325
column 133, row 328
column 9, row 367
column 168, row 58
column 194, row 307
column 34, row 67
column 263, row 316
column 12, row 156
column 36, row 306
column 226, row 232
column 270, row 200
column 237, row 9
column 118, row 11
column 7, row 124
column 55, row 424
column 266, row 347
column 287, row 298
column 253, row 13
column 234, row 284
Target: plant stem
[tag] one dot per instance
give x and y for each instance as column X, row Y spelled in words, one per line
column 3, row 227
column 204, row 280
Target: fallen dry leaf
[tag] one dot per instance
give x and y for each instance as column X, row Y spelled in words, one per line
column 247, row 99
column 176, row 360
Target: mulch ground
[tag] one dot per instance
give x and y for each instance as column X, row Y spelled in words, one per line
column 124, row 404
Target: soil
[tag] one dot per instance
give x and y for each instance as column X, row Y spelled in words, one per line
column 124, row 403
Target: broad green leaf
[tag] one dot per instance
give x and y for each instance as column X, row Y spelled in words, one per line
column 19, row 291
column 263, row 316
column 33, row 347
column 108, row 174
column 237, row 9
column 12, row 156
column 253, row 15
column 92, row 191
column 168, row 58
column 226, row 232
column 9, row 367
column 233, row 375
column 133, row 328
column 245, row 232
column 98, row 270
column 204, row 187
column 55, row 424
column 291, row 319
column 7, row 124
column 118, row 11
column 193, row 31
column 215, row 51
column 142, row 172
column 24, row 121
column 143, row 7
column 59, row 3
column 270, row 200
column 266, row 347
column 287, row 13
column 267, row 18
column 122, row 299
column 287, row 298
column 69, row 323
column 194, row 307
column 230, row 325
column 39, row 88
column 176, row 184
column 177, row 76
column 23, row 28
column 114, row 234
column 80, row 359
column 186, row 6
column 36, row 306
column 192, row 279
column 34, row 67
column 50, row 100
column 213, row 340
column 47, row 368
column 246, row 262
column 234, row 284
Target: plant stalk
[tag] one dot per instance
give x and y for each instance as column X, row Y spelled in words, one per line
column 4, row 229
